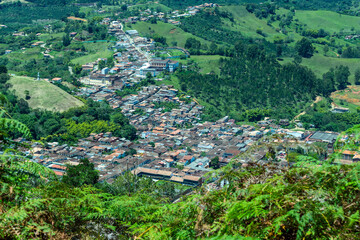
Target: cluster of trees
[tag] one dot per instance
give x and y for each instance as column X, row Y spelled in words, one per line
column 314, row 33
column 305, row 48
column 75, row 123
column 195, row 47
column 15, row 15
column 261, row 11
column 135, row 88
column 328, row 121
column 166, row 106
column 351, row 52
column 255, row 80
column 160, row 39
column 208, row 25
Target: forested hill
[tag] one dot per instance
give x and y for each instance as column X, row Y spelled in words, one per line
column 251, row 79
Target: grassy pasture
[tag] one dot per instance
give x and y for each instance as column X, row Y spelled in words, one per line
column 44, row 95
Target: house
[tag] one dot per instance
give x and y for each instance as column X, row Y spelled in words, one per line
column 164, row 65
column 284, row 122
column 57, row 80
column 340, row 110
column 328, row 137
column 105, row 70
column 100, row 79
column 115, row 70
column 8, row 51
column 132, row 33
column 356, row 158
column 73, row 34
column 348, row 155
column 87, row 67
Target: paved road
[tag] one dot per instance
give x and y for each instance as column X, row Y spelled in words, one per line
column 146, row 54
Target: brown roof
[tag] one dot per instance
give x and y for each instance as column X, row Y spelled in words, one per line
column 347, row 152
column 192, row 178
column 177, row 179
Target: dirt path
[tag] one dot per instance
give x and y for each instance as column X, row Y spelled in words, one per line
column 318, row 99
column 336, row 53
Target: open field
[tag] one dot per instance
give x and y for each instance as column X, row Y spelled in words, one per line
column 321, row 64
column 44, row 95
column 248, row 23
column 348, row 98
column 96, row 50
column 171, row 32
column 51, row 36
column 330, row 21
column 207, row 63
column 155, row 6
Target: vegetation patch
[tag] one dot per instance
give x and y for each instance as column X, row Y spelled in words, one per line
column 43, row 95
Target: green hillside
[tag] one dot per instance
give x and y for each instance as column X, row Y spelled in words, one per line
column 321, row 64
column 247, row 23
column 44, row 95
column 95, row 51
column 171, row 32
column 330, row 21
column 207, row 63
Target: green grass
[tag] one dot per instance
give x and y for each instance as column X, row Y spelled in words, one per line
column 352, row 107
column 248, row 23
column 171, row 32
column 321, row 64
column 155, row 6
column 44, row 95
column 51, row 36
column 330, row 21
column 96, row 50
column 173, row 80
column 29, row 53
column 207, row 63
column 348, row 98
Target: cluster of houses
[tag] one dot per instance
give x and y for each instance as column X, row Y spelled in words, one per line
column 171, row 17
column 132, row 59
column 166, row 149
column 174, row 145
column 349, row 37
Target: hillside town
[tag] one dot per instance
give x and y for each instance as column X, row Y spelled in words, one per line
column 173, row 143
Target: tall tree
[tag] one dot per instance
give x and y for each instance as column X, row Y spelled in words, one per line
column 342, row 74
column 81, row 174
column 305, row 48
column 357, row 76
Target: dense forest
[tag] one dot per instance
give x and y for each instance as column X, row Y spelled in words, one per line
column 253, row 79
column 15, row 15
column 208, row 26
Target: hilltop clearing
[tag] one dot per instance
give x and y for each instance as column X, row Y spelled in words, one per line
column 43, row 95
